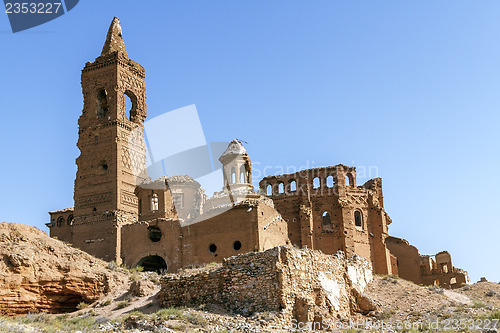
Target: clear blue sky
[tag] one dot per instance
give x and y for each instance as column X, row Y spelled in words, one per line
column 412, row 88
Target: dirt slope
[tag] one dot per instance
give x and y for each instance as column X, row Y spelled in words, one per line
column 401, row 300
column 39, row 273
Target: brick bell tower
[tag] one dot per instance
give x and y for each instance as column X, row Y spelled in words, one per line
column 112, row 148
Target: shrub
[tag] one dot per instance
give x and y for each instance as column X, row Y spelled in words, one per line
column 136, row 315
column 195, row 319
column 494, row 315
column 82, row 305
column 213, row 263
column 122, row 304
column 168, row 313
column 136, row 269
column 477, row 304
column 384, row 315
column 79, row 323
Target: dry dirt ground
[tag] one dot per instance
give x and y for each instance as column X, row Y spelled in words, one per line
column 34, row 266
column 472, row 308
column 135, row 308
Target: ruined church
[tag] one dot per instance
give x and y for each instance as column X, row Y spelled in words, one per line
column 120, row 214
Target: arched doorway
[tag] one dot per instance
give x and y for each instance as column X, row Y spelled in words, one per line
column 153, row 264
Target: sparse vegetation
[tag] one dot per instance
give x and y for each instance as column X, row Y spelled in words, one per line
column 136, row 269
column 491, row 316
column 195, row 319
column 135, row 276
column 82, row 305
column 136, row 315
column 478, row 304
column 494, row 315
column 212, row 264
column 106, row 302
column 399, row 301
column 384, row 315
column 445, row 315
column 168, row 313
column 416, row 314
column 390, row 278
column 122, row 304
column 48, row 323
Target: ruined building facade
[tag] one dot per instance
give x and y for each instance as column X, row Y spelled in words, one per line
column 123, row 215
column 327, row 211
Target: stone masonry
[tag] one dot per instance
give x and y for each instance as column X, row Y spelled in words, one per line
column 305, row 285
column 121, row 214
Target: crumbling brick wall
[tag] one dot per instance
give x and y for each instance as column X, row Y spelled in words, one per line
column 422, row 269
column 303, row 284
column 326, row 210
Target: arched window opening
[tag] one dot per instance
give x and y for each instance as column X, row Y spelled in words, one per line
column 316, row 183
column 178, row 199
column 243, row 178
column 358, row 219
column 154, row 234
column 330, row 182
column 60, row 221
column 70, row 220
column 237, row 245
column 281, row 187
column 130, row 105
column 233, row 176
column 349, row 179
column 153, row 263
column 154, row 202
column 102, row 100
column 293, row 186
column 269, row 189
column 326, row 222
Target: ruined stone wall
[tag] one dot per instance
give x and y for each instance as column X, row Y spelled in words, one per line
column 325, row 210
column 303, row 284
column 422, row 269
column 140, row 240
column 61, row 224
column 213, row 239
column 159, row 192
column 272, row 228
column 188, row 196
column 407, row 258
column 98, row 235
column 451, row 280
column 328, row 237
